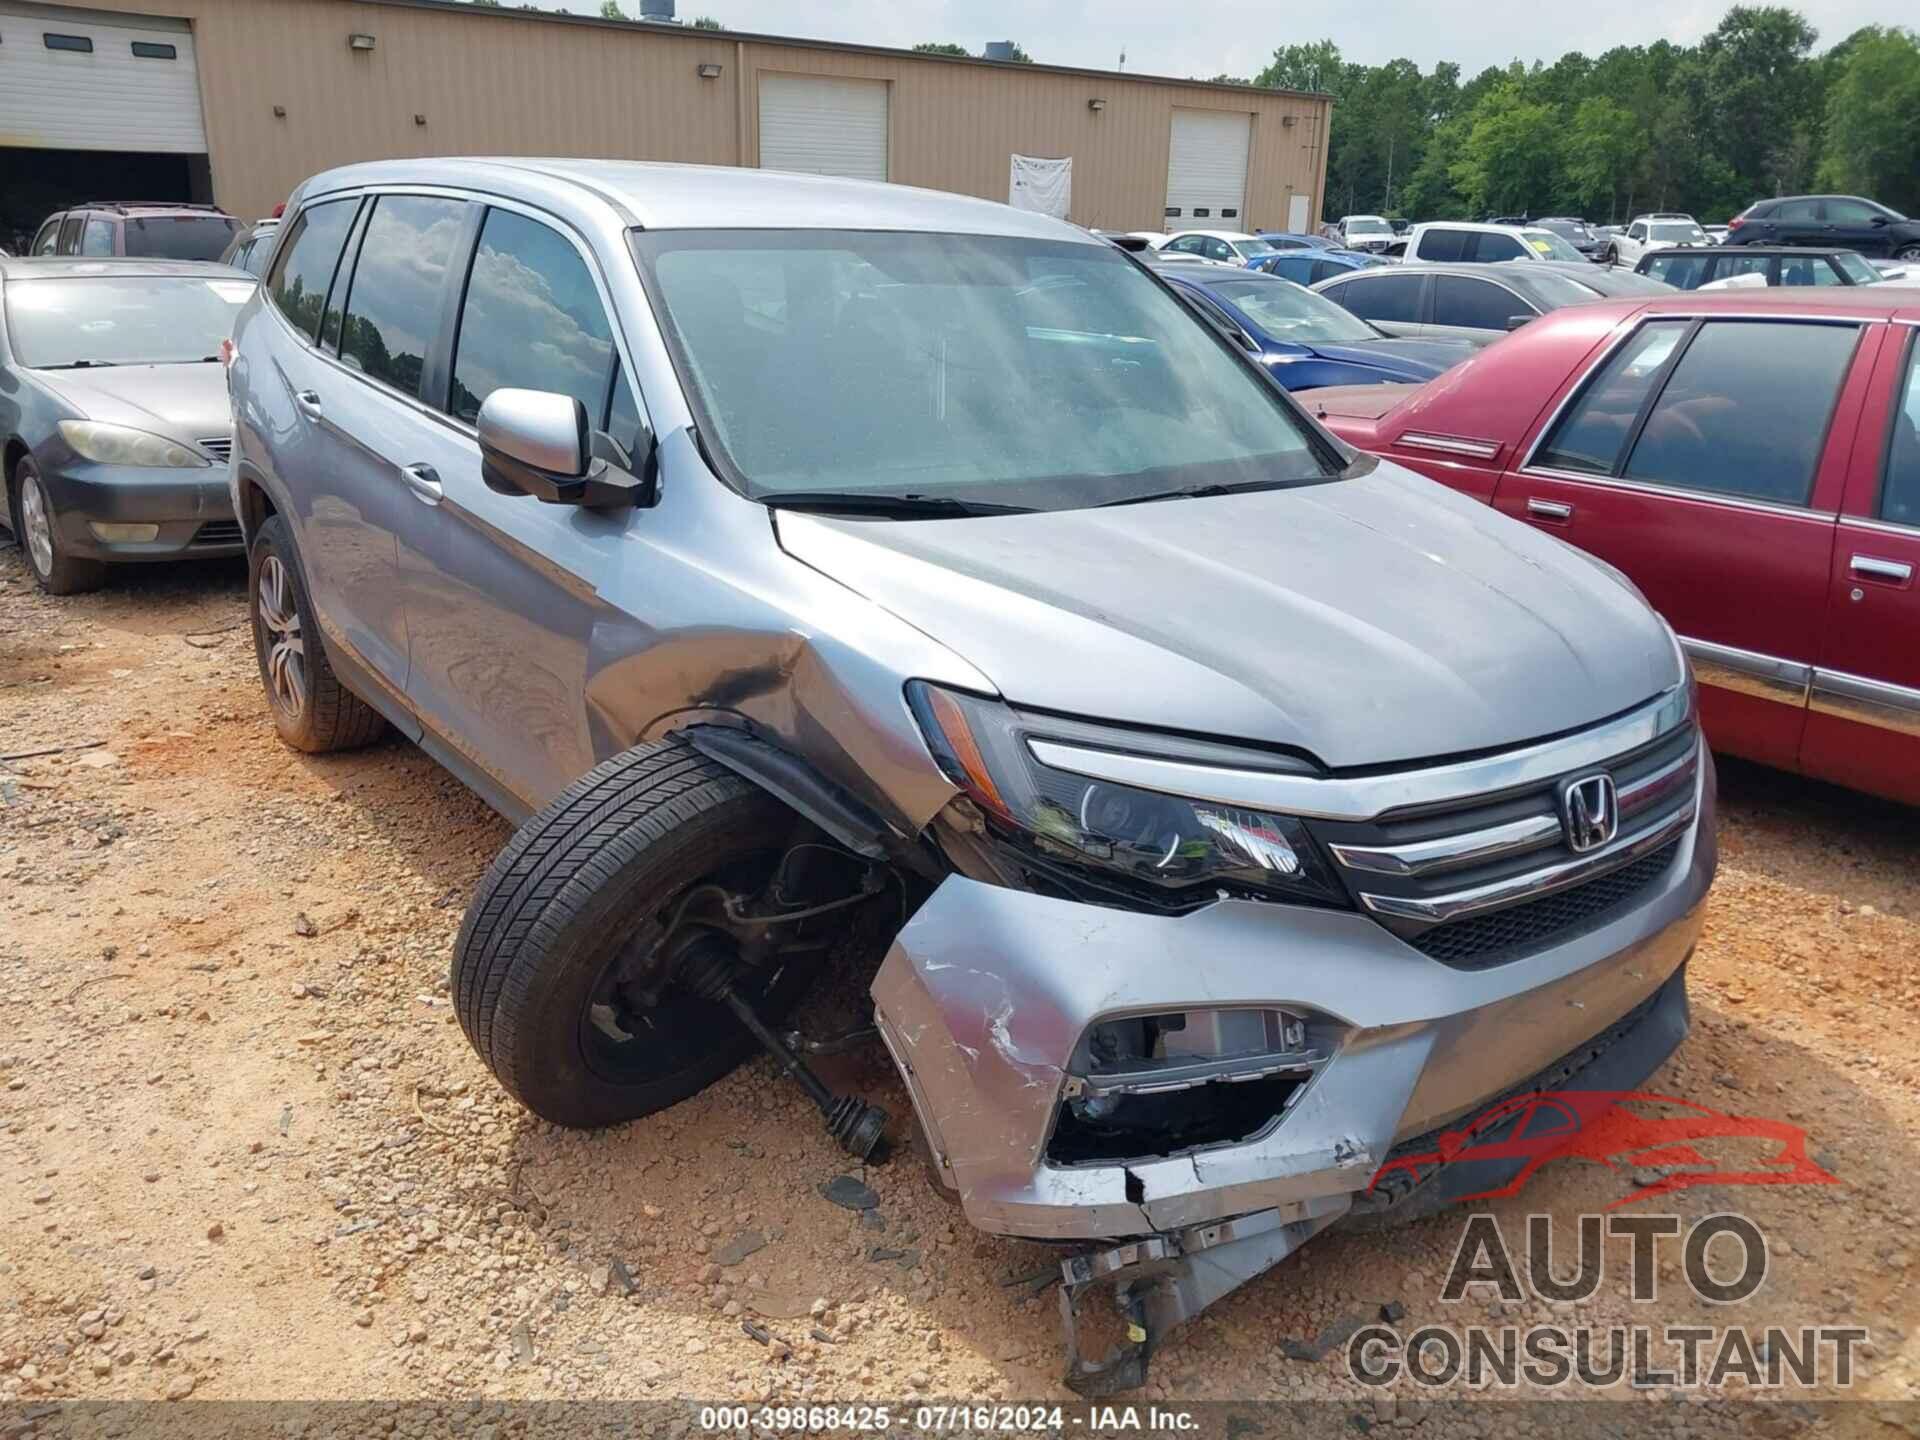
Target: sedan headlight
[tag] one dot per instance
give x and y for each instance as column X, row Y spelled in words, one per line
column 121, row 445
column 1163, row 844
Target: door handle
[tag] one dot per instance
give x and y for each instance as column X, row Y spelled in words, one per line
column 424, row 481
column 1872, row 567
column 1549, row 509
column 309, row 403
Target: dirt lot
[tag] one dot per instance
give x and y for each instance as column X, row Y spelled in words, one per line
column 245, row 1152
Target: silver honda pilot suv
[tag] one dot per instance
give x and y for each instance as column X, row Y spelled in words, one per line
column 830, row 573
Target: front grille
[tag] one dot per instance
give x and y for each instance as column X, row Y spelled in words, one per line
column 1483, row 941
column 218, row 446
column 218, row 532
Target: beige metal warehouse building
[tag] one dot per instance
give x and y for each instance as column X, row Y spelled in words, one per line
column 238, row 100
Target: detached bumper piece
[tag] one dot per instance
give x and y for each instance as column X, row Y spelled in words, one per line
column 1156, row 1284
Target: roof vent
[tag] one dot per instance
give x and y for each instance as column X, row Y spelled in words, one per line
column 657, row 10
column 1000, row 50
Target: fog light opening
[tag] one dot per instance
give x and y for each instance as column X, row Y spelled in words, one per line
column 119, row 534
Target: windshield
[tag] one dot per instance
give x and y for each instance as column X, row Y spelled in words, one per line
column 1287, row 312
column 1256, row 247
column 1856, row 269
column 1039, row 373
column 1366, row 225
column 1677, row 234
column 1549, row 246
column 76, row 321
column 1570, row 229
column 180, row 237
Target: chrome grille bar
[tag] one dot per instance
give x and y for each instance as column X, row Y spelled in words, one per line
column 1449, row 852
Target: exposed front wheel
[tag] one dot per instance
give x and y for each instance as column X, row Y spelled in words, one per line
column 1909, row 253
column 54, row 570
column 585, row 969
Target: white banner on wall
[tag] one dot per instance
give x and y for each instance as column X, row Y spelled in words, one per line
column 1042, row 185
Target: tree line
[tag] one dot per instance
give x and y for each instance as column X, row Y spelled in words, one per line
column 1750, row 111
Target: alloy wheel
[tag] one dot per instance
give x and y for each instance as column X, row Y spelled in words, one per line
column 287, row 650
column 36, row 520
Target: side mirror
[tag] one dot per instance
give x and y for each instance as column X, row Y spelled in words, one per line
column 1878, row 220
column 1514, row 322
column 538, row 443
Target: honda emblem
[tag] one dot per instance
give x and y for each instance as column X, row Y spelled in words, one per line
column 1590, row 811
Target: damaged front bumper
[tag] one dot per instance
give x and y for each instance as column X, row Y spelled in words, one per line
column 989, row 997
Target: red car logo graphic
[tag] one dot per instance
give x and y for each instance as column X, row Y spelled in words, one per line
column 1608, row 1126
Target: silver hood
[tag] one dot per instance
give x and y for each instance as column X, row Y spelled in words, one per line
column 182, row 402
column 1370, row 621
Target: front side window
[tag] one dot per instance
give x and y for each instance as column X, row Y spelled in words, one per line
column 1218, row 250
column 97, row 238
column 1474, row 304
column 1188, row 244
column 532, row 319
column 1855, row 268
column 1393, row 299
column 399, row 279
column 180, row 237
column 1037, row 373
column 1636, row 231
column 298, row 287
column 82, row 321
column 1853, row 212
column 1900, row 489
column 1807, row 270
column 1491, row 247
column 1745, row 410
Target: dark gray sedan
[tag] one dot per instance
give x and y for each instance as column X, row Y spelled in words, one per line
column 114, row 413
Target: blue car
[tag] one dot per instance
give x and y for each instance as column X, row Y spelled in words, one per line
column 1304, row 339
column 1310, row 267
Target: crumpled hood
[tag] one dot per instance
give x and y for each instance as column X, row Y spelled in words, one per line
column 1408, row 359
column 1370, row 621
column 182, row 402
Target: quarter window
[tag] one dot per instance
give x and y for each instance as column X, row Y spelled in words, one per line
column 1745, row 410
column 399, row 280
column 1474, row 304
column 301, row 279
column 1391, row 298
column 1900, row 493
column 48, row 240
column 532, row 319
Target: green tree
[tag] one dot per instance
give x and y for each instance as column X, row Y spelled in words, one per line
column 1509, row 160
column 707, row 22
column 1019, row 55
column 1304, row 67
column 1756, row 83
column 941, row 47
column 609, row 10
column 1873, row 139
column 1604, row 148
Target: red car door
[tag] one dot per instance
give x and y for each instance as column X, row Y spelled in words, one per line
column 1705, row 456
column 1863, row 729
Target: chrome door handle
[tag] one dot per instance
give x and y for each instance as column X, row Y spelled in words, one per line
column 424, row 481
column 309, row 403
column 1871, row 567
column 1549, row 509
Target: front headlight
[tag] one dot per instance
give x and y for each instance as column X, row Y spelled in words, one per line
column 1163, row 844
column 121, row 445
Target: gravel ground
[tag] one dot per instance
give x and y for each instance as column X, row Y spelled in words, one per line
column 245, row 1152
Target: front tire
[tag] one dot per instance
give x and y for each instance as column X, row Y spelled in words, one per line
column 1909, row 253
column 555, row 979
column 37, row 527
column 312, row 711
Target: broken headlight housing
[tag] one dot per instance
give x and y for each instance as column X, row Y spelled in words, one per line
column 1164, row 847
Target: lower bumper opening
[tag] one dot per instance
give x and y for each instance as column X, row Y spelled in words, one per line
column 1129, row 1127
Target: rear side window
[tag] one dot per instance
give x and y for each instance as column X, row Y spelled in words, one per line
column 1323, row 270
column 1796, row 210
column 70, row 235
column 97, row 238
column 1900, row 492
column 1392, row 298
column 1474, row 304
column 299, row 283
column 1591, row 436
column 1444, row 244
column 1489, row 247
column 399, row 280
column 532, row 318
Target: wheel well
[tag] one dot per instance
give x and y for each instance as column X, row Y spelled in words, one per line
column 255, row 506
column 16, row 451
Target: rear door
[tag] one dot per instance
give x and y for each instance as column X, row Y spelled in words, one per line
column 1798, row 222
column 1706, row 460
column 1394, row 303
column 1864, row 729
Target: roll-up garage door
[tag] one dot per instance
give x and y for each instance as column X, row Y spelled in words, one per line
column 1207, row 166
column 824, row 125
column 71, row 81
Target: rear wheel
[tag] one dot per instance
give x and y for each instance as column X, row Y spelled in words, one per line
column 311, row 709
column 564, row 975
column 56, row 572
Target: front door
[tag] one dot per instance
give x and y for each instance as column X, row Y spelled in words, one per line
column 1864, row 729
column 1697, row 460
column 1850, row 226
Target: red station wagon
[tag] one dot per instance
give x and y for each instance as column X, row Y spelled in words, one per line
column 1750, row 460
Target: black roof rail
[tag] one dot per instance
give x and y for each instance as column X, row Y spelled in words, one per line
column 122, row 206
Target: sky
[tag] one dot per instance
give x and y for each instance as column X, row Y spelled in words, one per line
column 1235, row 37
